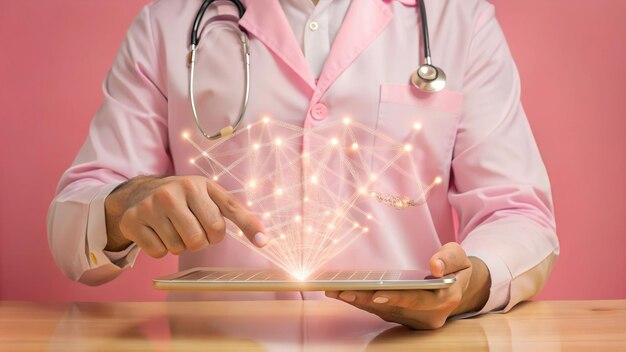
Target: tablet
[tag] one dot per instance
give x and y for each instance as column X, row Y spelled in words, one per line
column 237, row 279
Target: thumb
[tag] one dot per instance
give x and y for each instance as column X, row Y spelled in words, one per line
column 450, row 258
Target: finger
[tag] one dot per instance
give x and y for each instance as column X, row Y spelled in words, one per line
column 429, row 316
column 187, row 226
column 412, row 299
column 359, row 299
column 209, row 216
column 231, row 209
column 168, row 235
column 364, row 300
column 332, row 294
column 356, row 297
column 142, row 234
column 147, row 239
column 449, row 258
column 173, row 205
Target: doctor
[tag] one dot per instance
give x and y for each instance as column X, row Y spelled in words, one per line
column 131, row 185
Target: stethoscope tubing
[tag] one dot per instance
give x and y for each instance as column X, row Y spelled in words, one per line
column 194, row 42
column 427, row 77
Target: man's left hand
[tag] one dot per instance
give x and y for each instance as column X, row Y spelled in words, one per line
column 429, row 309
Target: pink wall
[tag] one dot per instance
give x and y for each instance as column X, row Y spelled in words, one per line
column 54, row 55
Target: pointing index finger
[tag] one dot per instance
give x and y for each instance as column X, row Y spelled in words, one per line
column 239, row 215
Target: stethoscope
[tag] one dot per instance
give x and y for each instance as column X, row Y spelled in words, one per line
column 427, row 77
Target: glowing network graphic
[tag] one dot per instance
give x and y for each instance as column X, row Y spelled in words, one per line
column 316, row 189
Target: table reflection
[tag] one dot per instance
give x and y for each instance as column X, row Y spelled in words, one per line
column 275, row 326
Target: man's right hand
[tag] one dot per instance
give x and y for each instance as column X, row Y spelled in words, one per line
column 173, row 214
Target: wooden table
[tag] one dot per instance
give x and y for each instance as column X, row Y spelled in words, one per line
column 301, row 326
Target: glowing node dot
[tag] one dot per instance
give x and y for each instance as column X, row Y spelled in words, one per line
column 252, row 183
column 327, row 212
column 266, row 215
column 407, row 147
column 306, row 155
column 278, row 142
column 314, row 179
column 438, row 180
column 346, row 120
column 362, row 190
column 309, row 229
column 334, row 141
column 249, row 126
column 355, row 146
column 205, row 154
column 417, row 126
column 256, row 146
column 298, row 218
column 278, row 191
column 266, row 119
column 356, row 224
column 331, row 226
column 192, row 161
column 306, row 199
column 240, row 233
column 373, row 177
column 366, row 229
column 335, row 240
column 249, row 203
column 215, row 178
column 186, row 135
column 282, row 236
column 369, row 216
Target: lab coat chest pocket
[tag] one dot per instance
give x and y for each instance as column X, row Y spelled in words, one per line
column 427, row 122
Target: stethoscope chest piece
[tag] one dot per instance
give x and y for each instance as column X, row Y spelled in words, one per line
column 429, row 78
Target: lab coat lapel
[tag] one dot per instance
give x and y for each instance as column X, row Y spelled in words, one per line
column 265, row 19
column 365, row 20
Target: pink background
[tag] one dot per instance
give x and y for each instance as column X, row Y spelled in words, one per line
column 54, row 55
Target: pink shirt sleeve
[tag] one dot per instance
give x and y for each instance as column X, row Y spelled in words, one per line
column 500, row 189
column 127, row 137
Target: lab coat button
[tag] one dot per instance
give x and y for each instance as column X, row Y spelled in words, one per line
column 319, row 111
column 313, row 26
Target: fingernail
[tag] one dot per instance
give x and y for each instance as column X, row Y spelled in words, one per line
column 347, row 296
column 441, row 265
column 259, row 239
column 381, row 300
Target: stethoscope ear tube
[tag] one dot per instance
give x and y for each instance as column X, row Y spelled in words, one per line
column 195, row 40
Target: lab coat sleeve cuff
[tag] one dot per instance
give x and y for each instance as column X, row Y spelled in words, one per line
column 97, row 238
column 125, row 258
column 501, row 277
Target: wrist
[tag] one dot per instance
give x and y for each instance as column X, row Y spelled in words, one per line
column 115, row 204
column 113, row 210
column 477, row 293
